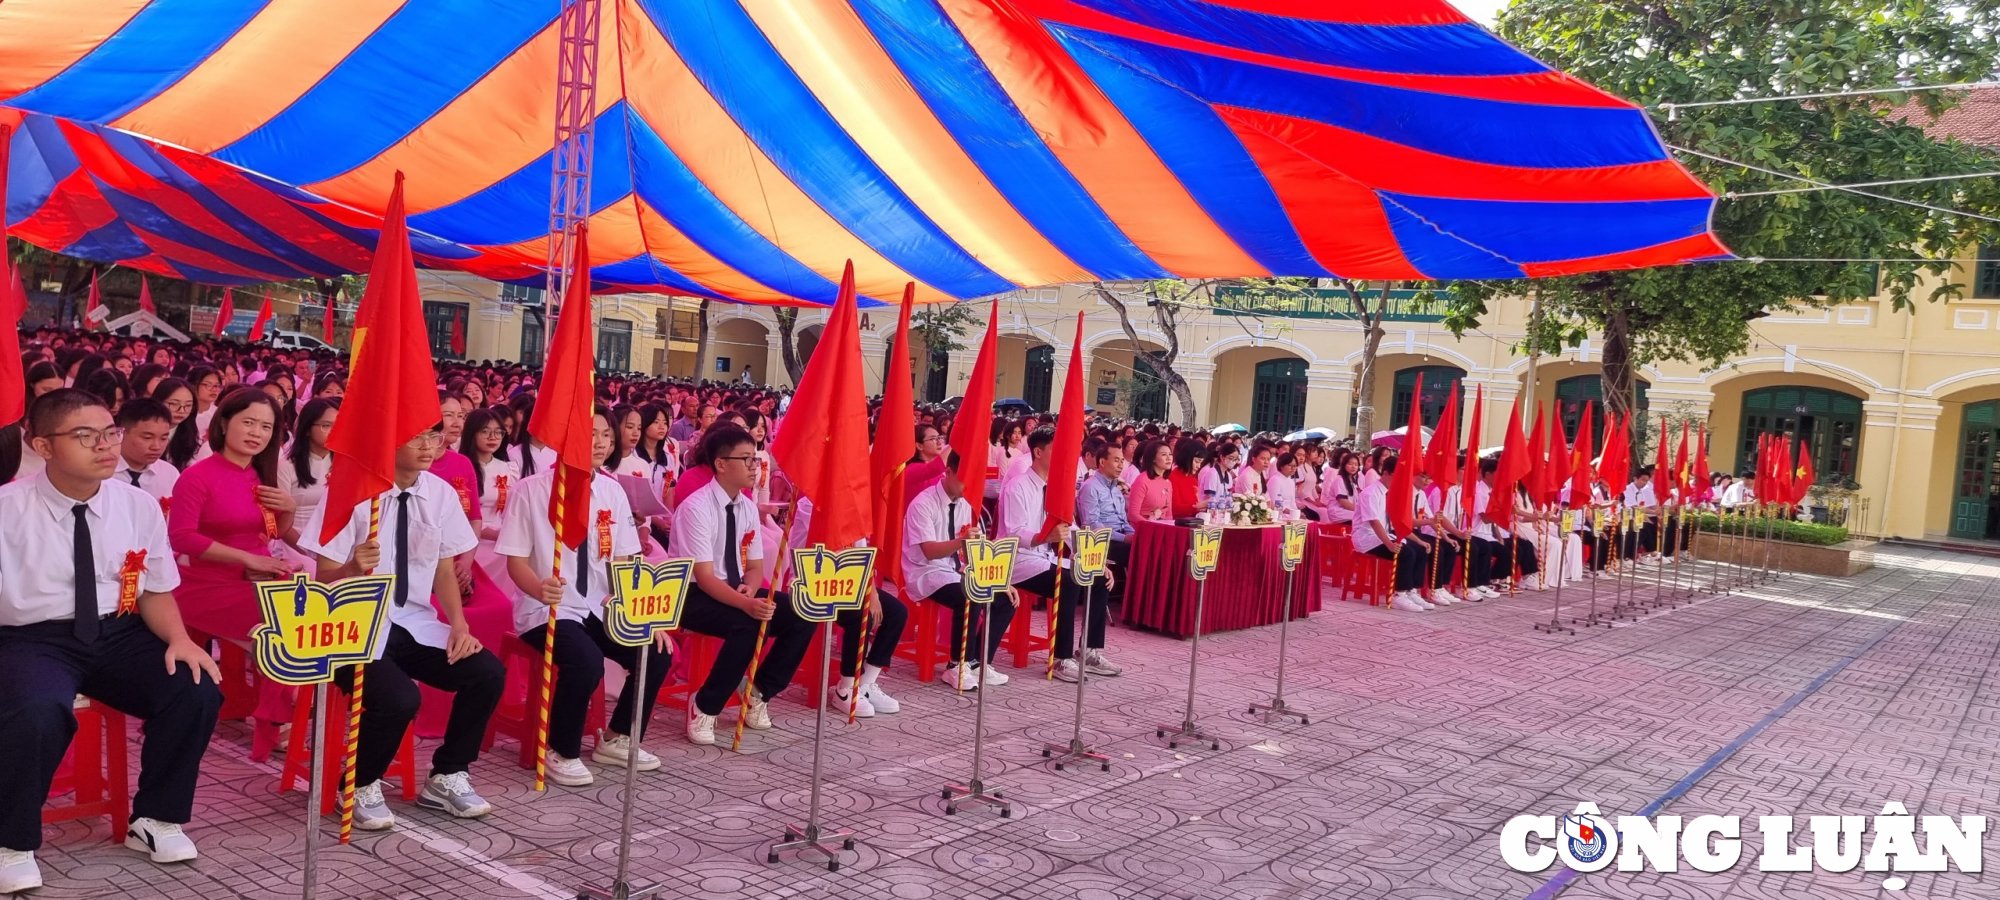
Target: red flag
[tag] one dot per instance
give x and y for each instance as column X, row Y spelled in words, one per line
column 1537, row 479
column 1663, row 469
column 826, row 432
column 1803, row 476
column 1681, row 481
column 1559, row 463
column 1441, row 460
column 895, row 443
column 1699, row 477
column 390, row 376
column 1402, row 499
column 263, row 319
column 1469, row 484
column 326, row 323
column 93, row 313
column 969, row 432
column 565, row 400
column 13, row 381
column 1781, row 474
column 146, row 298
column 1580, row 472
column 1059, row 498
column 225, row 315
column 1614, row 466
column 1513, row 467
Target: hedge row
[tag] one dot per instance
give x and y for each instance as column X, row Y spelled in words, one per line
column 1780, row 529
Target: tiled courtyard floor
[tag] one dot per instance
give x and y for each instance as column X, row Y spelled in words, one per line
column 1429, row 731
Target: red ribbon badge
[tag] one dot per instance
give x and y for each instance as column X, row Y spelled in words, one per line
column 464, row 493
column 166, row 505
column 500, row 483
column 270, row 523
column 604, row 534
column 128, row 581
column 743, row 549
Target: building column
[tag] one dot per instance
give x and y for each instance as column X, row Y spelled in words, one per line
column 1898, row 473
column 1200, row 376
column 1329, row 397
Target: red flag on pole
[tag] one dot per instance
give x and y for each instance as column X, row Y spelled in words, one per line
column 1614, row 466
column 566, row 398
column 264, row 313
column 1059, row 500
column 1441, row 459
column 1560, row 464
column 326, row 322
column 224, row 314
column 826, row 432
column 1402, row 498
column 1536, row 481
column 895, row 443
column 13, row 304
column 390, row 376
column 1580, row 472
column 1699, row 476
column 969, row 436
column 1513, row 467
column 93, row 313
column 1468, row 484
column 1783, row 474
column 1682, row 482
column 146, row 296
column 1663, row 468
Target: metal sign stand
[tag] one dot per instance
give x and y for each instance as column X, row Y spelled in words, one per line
column 621, row 888
column 1076, row 750
column 1188, row 731
column 974, row 789
column 1276, row 709
column 812, row 837
column 1554, row 625
column 314, row 785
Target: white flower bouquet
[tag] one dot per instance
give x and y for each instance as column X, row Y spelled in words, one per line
column 1250, row 509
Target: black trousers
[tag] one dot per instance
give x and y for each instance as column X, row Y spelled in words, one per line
column 1438, row 575
column 1410, row 564
column 1600, row 548
column 1044, row 585
column 790, row 638
column 1496, row 560
column 389, row 702
column 581, row 649
column 965, row 623
column 1646, row 539
column 42, row 669
column 888, row 633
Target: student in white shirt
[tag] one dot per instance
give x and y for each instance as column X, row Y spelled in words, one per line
column 1283, row 491
column 1255, row 477
column 148, row 427
column 1217, row 476
column 1022, row 516
column 1436, row 576
column 884, row 615
column 303, row 471
column 528, row 543
column 1497, row 551
column 1640, row 495
column 716, row 526
column 423, row 526
column 59, row 638
column 1373, row 536
column 934, row 530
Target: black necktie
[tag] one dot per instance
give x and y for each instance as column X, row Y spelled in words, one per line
column 582, row 566
column 134, row 475
column 951, row 526
column 402, row 548
column 732, row 568
column 86, row 577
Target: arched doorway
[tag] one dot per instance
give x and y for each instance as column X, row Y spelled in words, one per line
column 1827, row 424
column 1573, row 394
column 1149, row 391
column 1278, row 399
column 1038, row 376
column 1975, row 496
column 1440, row 382
column 806, row 342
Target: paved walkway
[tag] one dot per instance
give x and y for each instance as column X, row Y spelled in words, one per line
column 1429, row 731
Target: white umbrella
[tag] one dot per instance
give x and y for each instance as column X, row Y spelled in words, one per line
column 1231, row 428
column 1311, row 434
column 1393, row 438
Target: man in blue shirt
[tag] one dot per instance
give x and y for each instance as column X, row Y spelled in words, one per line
column 1100, row 503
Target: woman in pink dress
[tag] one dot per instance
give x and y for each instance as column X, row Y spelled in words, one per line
column 227, row 510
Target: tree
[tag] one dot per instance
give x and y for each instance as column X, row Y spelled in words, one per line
column 1370, row 313
column 788, row 348
column 1166, row 299
column 1698, row 50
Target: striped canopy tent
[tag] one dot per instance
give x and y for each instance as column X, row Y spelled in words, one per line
column 745, row 149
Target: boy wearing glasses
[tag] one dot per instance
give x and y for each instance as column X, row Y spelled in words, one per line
column 422, row 528
column 716, row 526
column 86, row 607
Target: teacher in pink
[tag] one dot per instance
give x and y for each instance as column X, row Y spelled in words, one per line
column 227, row 509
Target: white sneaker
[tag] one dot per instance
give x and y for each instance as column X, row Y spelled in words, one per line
column 161, row 840
column 1068, row 670
column 371, row 812
column 568, row 772
column 873, row 695
column 992, row 676
column 1419, row 597
column 1095, row 663
column 756, row 713
column 844, row 699
column 700, row 725
column 453, row 794
column 964, row 677
column 1406, row 602
column 18, row 871
column 1442, row 597
column 614, row 749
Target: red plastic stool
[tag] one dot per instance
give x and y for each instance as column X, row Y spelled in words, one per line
column 1022, row 639
column 694, row 658
column 520, row 713
column 332, row 751
column 94, row 771
column 924, row 647
column 1371, row 577
column 239, row 683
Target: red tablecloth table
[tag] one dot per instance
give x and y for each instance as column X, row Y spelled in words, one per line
column 1246, row 589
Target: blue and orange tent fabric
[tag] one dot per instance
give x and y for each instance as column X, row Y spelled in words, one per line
column 746, row 149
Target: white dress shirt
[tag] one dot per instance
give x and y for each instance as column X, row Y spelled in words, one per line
column 1282, row 492
column 490, row 474
column 438, row 530
column 525, row 533
column 1638, row 497
column 1481, row 528
column 1021, row 516
column 933, row 516
column 157, row 480
column 701, row 526
column 1212, row 484
column 1250, row 481
column 37, row 582
column 308, row 497
column 1371, row 506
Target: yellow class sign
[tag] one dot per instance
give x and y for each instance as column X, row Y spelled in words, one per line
column 1092, row 552
column 989, row 567
column 1568, row 521
column 311, row 629
column 1295, row 544
column 646, row 599
column 826, row 583
column 1206, row 554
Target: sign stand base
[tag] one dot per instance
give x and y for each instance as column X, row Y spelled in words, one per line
column 1188, row 731
column 811, row 838
column 974, row 790
column 1276, row 709
column 620, row 888
column 1075, row 751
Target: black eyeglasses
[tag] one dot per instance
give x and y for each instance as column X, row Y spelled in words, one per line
column 745, row 459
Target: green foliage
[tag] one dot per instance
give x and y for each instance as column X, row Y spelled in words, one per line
column 946, row 326
column 1697, row 50
column 1779, row 530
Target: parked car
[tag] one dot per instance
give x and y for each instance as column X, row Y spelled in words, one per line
column 296, row 340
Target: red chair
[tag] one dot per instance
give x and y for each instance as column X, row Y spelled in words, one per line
column 1022, row 638
column 239, row 683
column 924, row 646
column 94, row 771
column 332, row 751
column 520, row 713
column 694, row 657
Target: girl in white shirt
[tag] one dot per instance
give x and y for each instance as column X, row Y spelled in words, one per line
column 302, row 473
column 499, row 483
